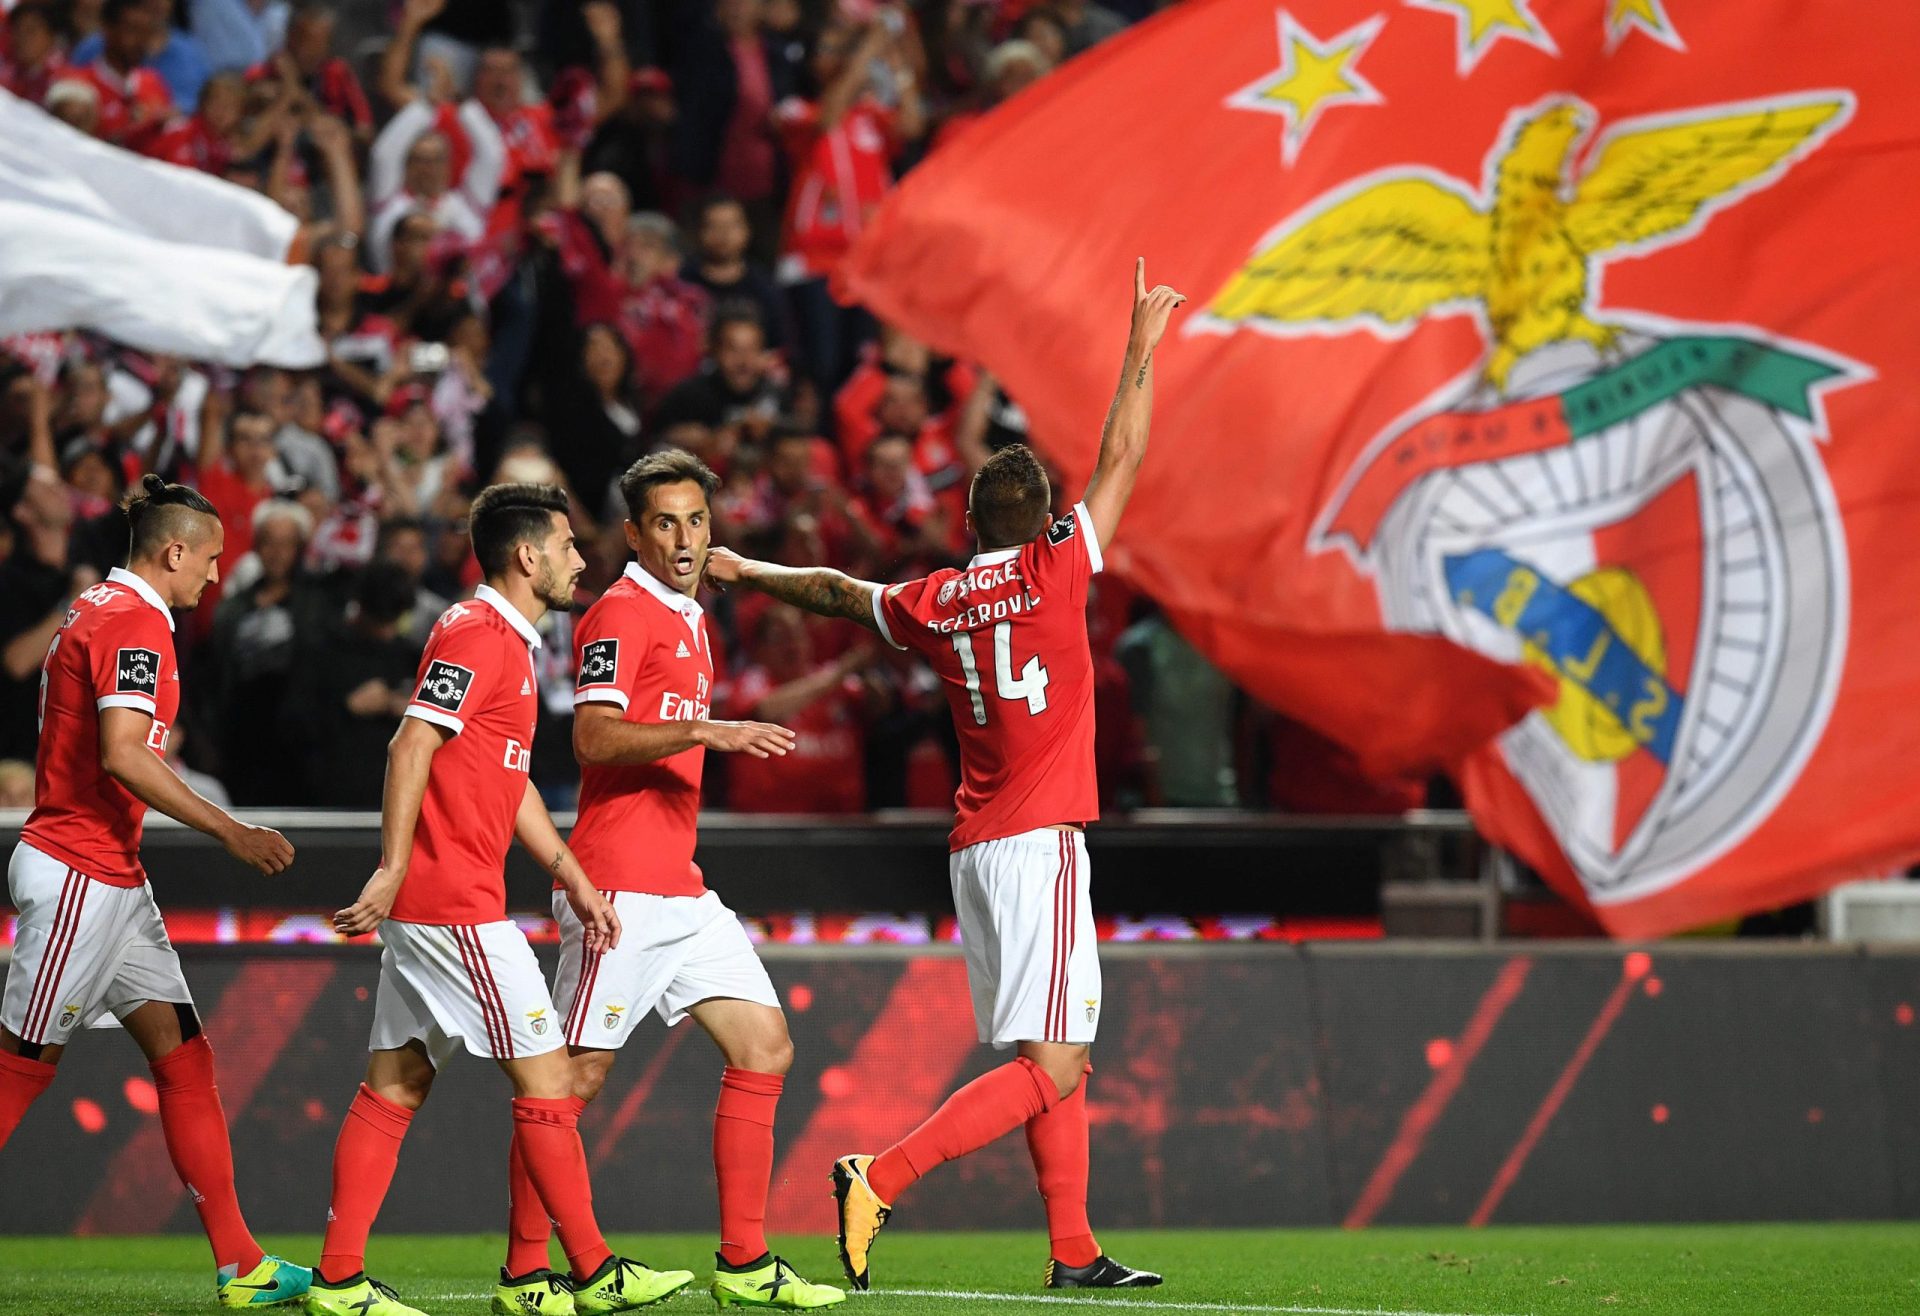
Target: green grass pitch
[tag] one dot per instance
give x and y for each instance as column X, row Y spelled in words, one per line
column 1738, row 1270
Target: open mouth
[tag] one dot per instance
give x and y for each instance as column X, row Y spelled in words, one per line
column 682, row 564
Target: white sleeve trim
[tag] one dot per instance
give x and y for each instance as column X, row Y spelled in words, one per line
column 1084, row 519
column 141, row 702
column 437, row 717
column 600, row 694
column 880, row 619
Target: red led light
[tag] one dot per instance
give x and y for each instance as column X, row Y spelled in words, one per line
column 88, row 1115
column 1637, row 965
column 836, row 1082
column 800, row 998
column 141, row 1095
column 1439, row 1052
column 1651, row 987
column 1661, row 1114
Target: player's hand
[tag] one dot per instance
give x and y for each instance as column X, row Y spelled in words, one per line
column 419, row 13
column 1151, row 310
column 762, row 740
column 597, row 916
column 260, row 848
column 371, row 909
column 724, row 567
column 603, row 22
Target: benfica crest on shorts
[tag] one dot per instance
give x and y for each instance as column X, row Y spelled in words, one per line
column 1636, row 506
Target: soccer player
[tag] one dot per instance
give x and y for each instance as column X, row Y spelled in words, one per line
column 1008, row 636
column 455, row 971
column 642, row 726
column 90, row 941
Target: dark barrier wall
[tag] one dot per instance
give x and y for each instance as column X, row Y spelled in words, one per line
column 1247, row 1086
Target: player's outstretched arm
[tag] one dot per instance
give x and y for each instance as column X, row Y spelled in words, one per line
column 533, row 828
column 603, row 737
column 409, row 761
column 819, row 590
column 126, row 758
column 1123, row 441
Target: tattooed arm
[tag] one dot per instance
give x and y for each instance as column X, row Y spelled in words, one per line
column 1123, row 442
column 819, row 590
column 533, row 827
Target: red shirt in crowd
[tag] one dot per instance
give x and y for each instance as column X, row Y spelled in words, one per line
column 643, row 648
column 115, row 651
column 839, row 177
column 135, row 109
column 334, row 87
column 665, row 324
column 1007, row 636
column 824, row 772
column 32, row 84
column 477, row 681
column 235, row 500
column 192, row 143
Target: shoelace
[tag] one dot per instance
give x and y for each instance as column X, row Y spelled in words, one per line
column 782, row 1272
column 384, row 1290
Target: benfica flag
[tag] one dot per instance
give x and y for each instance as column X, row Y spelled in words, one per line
column 1549, row 401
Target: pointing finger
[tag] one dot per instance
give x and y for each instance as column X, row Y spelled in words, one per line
column 1139, row 277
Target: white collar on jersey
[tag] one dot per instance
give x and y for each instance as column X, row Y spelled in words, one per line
column 988, row 559
column 121, row 576
column 673, row 598
column 494, row 599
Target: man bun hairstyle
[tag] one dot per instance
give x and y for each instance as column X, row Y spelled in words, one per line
column 1010, row 498
column 506, row 516
column 668, row 466
column 159, row 514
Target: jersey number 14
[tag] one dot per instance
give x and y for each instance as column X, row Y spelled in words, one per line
column 1030, row 685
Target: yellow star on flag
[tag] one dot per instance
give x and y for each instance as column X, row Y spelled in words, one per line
column 1480, row 23
column 1314, row 77
column 1649, row 16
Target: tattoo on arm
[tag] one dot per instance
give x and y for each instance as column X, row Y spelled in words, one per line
column 822, row 591
column 559, row 858
column 1140, row 380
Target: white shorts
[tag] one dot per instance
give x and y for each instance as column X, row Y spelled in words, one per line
column 475, row 984
column 84, row 950
column 674, row 952
column 1026, row 921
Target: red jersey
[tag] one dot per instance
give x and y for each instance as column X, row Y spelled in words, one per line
column 840, row 177
column 115, row 651
column 1008, row 637
column 643, row 648
column 142, row 92
column 477, row 681
column 825, row 771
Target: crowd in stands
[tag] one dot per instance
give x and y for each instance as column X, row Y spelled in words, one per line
column 550, row 238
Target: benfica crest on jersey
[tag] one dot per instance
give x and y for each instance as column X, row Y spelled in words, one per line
column 1635, row 507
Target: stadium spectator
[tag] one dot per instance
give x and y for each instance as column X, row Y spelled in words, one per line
column 599, row 432
column 1186, row 711
column 1086, row 23
column 344, row 696
column 135, row 101
column 733, row 401
column 75, row 101
column 172, row 54
column 239, row 34
column 841, row 147
column 33, row 58
column 822, row 703
column 662, row 316
column 237, row 471
column 412, row 169
column 402, row 546
column 38, row 580
column 307, row 61
column 269, row 612
column 723, row 236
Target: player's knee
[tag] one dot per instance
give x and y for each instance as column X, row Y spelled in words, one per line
column 590, row 1070
column 1066, row 1078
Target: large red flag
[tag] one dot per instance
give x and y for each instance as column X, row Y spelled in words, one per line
column 1558, row 359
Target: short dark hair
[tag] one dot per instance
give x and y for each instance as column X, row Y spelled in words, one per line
column 393, row 527
column 159, row 513
column 1010, row 498
column 30, row 9
column 713, row 201
column 735, row 310
column 384, row 592
column 114, row 10
column 668, row 466
column 506, row 516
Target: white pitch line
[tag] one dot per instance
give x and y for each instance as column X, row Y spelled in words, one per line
column 1143, row 1305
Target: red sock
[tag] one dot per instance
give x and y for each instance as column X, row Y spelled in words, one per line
column 743, row 1160
column 196, row 1131
column 548, row 1131
column 21, row 1081
column 1058, row 1141
column 363, row 1161
column 996, row 1103
column 528, row 1227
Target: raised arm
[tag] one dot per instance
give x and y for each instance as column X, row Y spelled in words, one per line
column 819, row 590
column 126, row 758
column 397, row 60
column 1123, row 441
column 409, row 761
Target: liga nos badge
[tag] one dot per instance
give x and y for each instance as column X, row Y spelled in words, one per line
column 1635, row 506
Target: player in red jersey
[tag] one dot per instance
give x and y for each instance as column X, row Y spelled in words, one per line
column 1008, row 636
column 455, row 970
column 90, row 941
column 642, row 727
